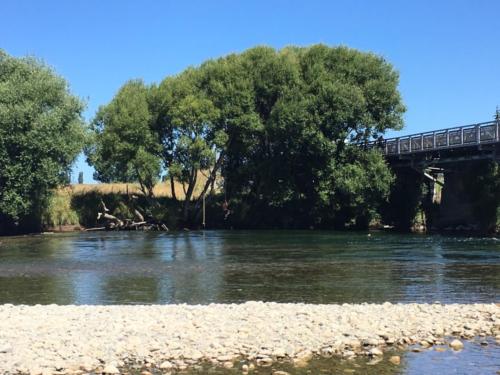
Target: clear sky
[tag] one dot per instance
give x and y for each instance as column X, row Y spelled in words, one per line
column 447, row 52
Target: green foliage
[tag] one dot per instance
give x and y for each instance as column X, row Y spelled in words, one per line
column 41, row 133
column 124, row 148
column 58, row 211
column 278, row 125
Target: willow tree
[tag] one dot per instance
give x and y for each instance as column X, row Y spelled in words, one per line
column 41, row 133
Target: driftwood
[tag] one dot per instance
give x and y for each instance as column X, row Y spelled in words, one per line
column 112, row 222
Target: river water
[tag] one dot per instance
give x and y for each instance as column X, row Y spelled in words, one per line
column 280, row 266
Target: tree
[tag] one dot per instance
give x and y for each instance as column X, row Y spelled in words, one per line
column 124, row 148
column 80, row 178
column 187, row 127
column 283, row 129
column 299, row 161
column 41, row 133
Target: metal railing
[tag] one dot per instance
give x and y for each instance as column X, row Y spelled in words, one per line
column 461, row 136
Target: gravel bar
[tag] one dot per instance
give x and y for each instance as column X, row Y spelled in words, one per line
column 52, row 339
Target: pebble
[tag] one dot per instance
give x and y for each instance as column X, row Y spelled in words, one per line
column 395, row 359
column 166, row 365
column 83, row 338
column 110, row 369
column 456, row 344
column 376, row 352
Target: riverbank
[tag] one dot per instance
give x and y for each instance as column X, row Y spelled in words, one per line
column 76, row 339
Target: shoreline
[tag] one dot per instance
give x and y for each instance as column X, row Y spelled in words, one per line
column 77, row 339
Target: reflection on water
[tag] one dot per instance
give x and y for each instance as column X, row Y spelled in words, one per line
column 221, row 266
column 474, row 359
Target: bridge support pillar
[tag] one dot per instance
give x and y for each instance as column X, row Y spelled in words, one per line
column 470, row 197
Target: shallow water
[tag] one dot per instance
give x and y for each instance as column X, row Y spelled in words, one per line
column 473, row 359
column 281, row 266
column 226, row 267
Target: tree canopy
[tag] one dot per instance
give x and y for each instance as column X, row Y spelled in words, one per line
column 41, row 133
column 279, row 126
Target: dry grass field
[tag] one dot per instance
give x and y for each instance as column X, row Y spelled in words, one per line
column 162, row 189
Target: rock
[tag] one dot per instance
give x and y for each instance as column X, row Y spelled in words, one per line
column 245, row 368
column 279, row 353
column 440, row 349
column 395, row 359
column 327, row 352
column 281, row 373
column 166, row 365
column 224, row 358
column 376, row 352
column 264, row 362
column 5, row 348
column 145, row 373
column 456, row 344
column 110, row 369
column 374, row 361
column 228, row 364
column 425, row 344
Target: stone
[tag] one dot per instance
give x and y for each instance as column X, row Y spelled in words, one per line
column 376, row 352
column 228, row 365
column 5, row 348
column 167, row 365
column 395, row 359
column 281, row 373
column 264, row 362
column 425, row 344
column 110, row 369
column 456, row 344
column 245, row 368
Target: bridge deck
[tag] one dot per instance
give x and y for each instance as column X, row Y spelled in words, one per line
column 446, row 139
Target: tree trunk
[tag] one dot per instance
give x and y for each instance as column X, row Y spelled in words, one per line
column 189, row 193
column 172, row 188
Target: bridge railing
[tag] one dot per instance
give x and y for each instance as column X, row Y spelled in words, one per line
column 461, row 136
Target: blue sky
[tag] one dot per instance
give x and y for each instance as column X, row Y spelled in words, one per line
column 447, row 52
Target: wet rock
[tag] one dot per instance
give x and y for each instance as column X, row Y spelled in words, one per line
column 376, row 352
column 264, row 362
column 456, row 344
column 395, row 359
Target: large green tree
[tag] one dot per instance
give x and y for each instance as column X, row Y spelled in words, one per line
column 283, row 129
column 301, row 160
column 41, row 133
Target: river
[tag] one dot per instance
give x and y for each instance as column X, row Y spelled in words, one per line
column 237, row 266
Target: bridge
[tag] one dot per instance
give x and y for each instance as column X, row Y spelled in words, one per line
column 445, row 175
column 469, row 142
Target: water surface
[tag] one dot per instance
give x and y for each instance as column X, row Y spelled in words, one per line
column 237, row 266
